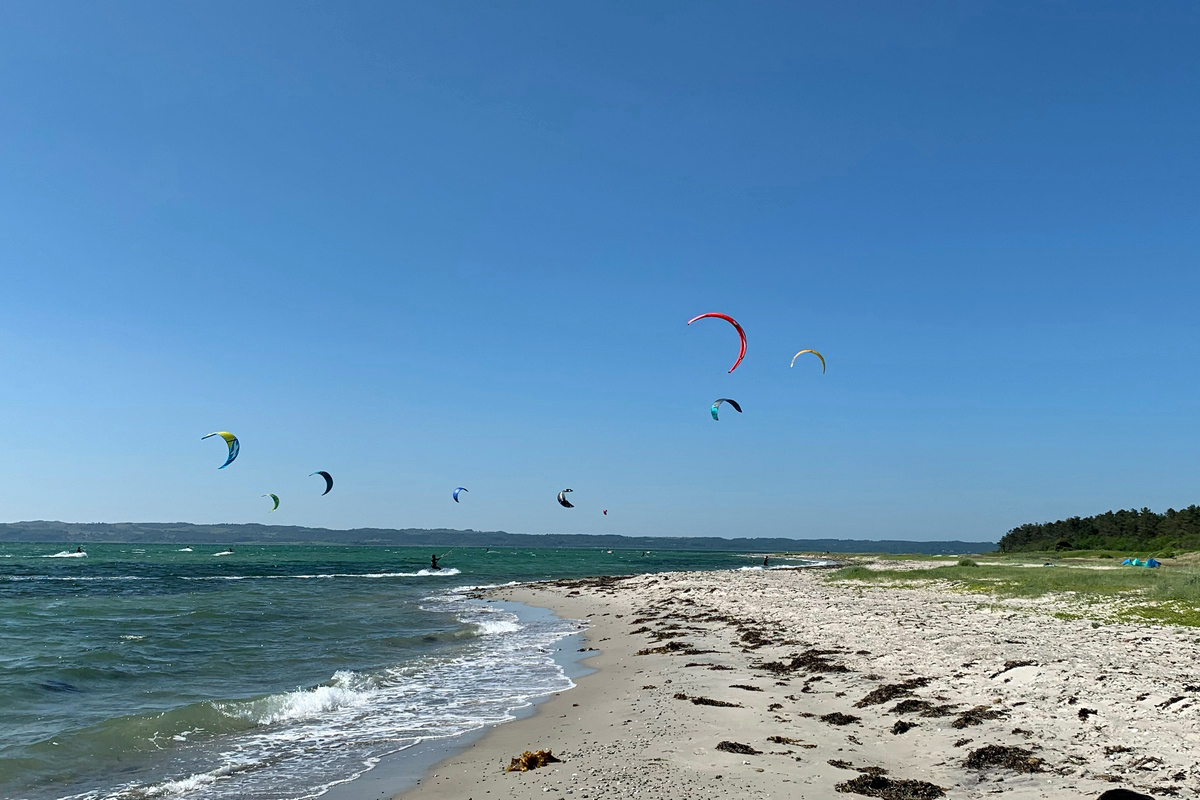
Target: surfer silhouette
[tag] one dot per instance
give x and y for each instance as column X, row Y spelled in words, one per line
column 433, row 562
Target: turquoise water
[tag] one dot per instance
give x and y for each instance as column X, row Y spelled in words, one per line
column 142, row 671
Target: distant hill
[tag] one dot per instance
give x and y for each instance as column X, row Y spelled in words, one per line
column 187, row 533
column 1133, row 531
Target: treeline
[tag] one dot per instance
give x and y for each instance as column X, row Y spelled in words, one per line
column 1133, row 531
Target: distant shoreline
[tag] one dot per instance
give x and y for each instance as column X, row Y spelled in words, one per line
column 183, row 533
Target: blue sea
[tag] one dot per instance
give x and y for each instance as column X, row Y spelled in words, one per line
column 269, row 672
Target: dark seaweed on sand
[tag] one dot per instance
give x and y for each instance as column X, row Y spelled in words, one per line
column 902, row 727
column 837, row 762
column 975, row 716
column 747, row 687
column 891, row 691
column 838, row 718
column 926, row 708
column 809, row 661
column 1018, row 759
column 706, row 701
column 738, row 747
column 889, row 789
column 789, row 740
column 754, row 639
column 1013, row 665
column 674, row 647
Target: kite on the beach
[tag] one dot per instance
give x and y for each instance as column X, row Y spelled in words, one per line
column 328, row 480
column 741, row 334
column 815, row 353
column 459, row 489
column 274, row 497
column 562, row 499
column 230, row 440
column 733, row 403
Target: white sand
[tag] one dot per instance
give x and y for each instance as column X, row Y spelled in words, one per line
column 1098, row 705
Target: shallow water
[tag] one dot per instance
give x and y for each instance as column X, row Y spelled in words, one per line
column 270, row 672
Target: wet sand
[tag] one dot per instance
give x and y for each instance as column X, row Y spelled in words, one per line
column 773, row 684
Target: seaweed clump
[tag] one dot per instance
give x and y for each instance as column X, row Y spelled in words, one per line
column 926, row 708
column 975, row 716
column 528, row 760
column 706, row 701
column 1018, row 759
column 891, row 691
column 902, row 727
column 675, row 646
column 838, row 718
column 890, row 789
column 840, row 764
column 789, row 740
column 738, row 747
column 810, row 661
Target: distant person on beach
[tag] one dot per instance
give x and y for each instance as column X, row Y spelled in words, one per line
column 433, row 564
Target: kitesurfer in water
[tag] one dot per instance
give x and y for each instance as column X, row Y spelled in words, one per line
column 79, row 549
column 765, row 560
column 433, row 559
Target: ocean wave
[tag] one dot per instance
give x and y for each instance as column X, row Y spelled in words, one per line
column 72, row 578
column 324, row 575
column 489, row 626
column 67, row 554
column 299, row 743
column 346, row 690
column 481, row 587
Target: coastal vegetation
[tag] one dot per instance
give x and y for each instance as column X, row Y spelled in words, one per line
column 1086, row 589
column 1132, row 531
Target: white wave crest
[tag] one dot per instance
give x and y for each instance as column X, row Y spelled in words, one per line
column 302, row 704
column 489, row 626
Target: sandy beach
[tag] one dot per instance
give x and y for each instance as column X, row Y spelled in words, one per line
column 773, row 684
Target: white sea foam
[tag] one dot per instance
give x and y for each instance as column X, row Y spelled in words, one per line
column 306, row 704
column 498, row 626
column 481, row 587
column 67, row 554
column 72, row 578
column 323, row 575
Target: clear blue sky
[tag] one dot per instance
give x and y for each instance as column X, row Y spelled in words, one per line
column 424, row 245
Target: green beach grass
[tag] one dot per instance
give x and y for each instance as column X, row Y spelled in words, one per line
column 1168, row 595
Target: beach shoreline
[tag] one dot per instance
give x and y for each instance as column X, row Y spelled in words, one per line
column 757, row 684
column 406, row 768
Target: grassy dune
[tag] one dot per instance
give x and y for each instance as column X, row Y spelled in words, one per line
column 1082, row 588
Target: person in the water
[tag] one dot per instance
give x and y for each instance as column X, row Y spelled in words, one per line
column 433, row 559
column 766, row 559
column 79, row 549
